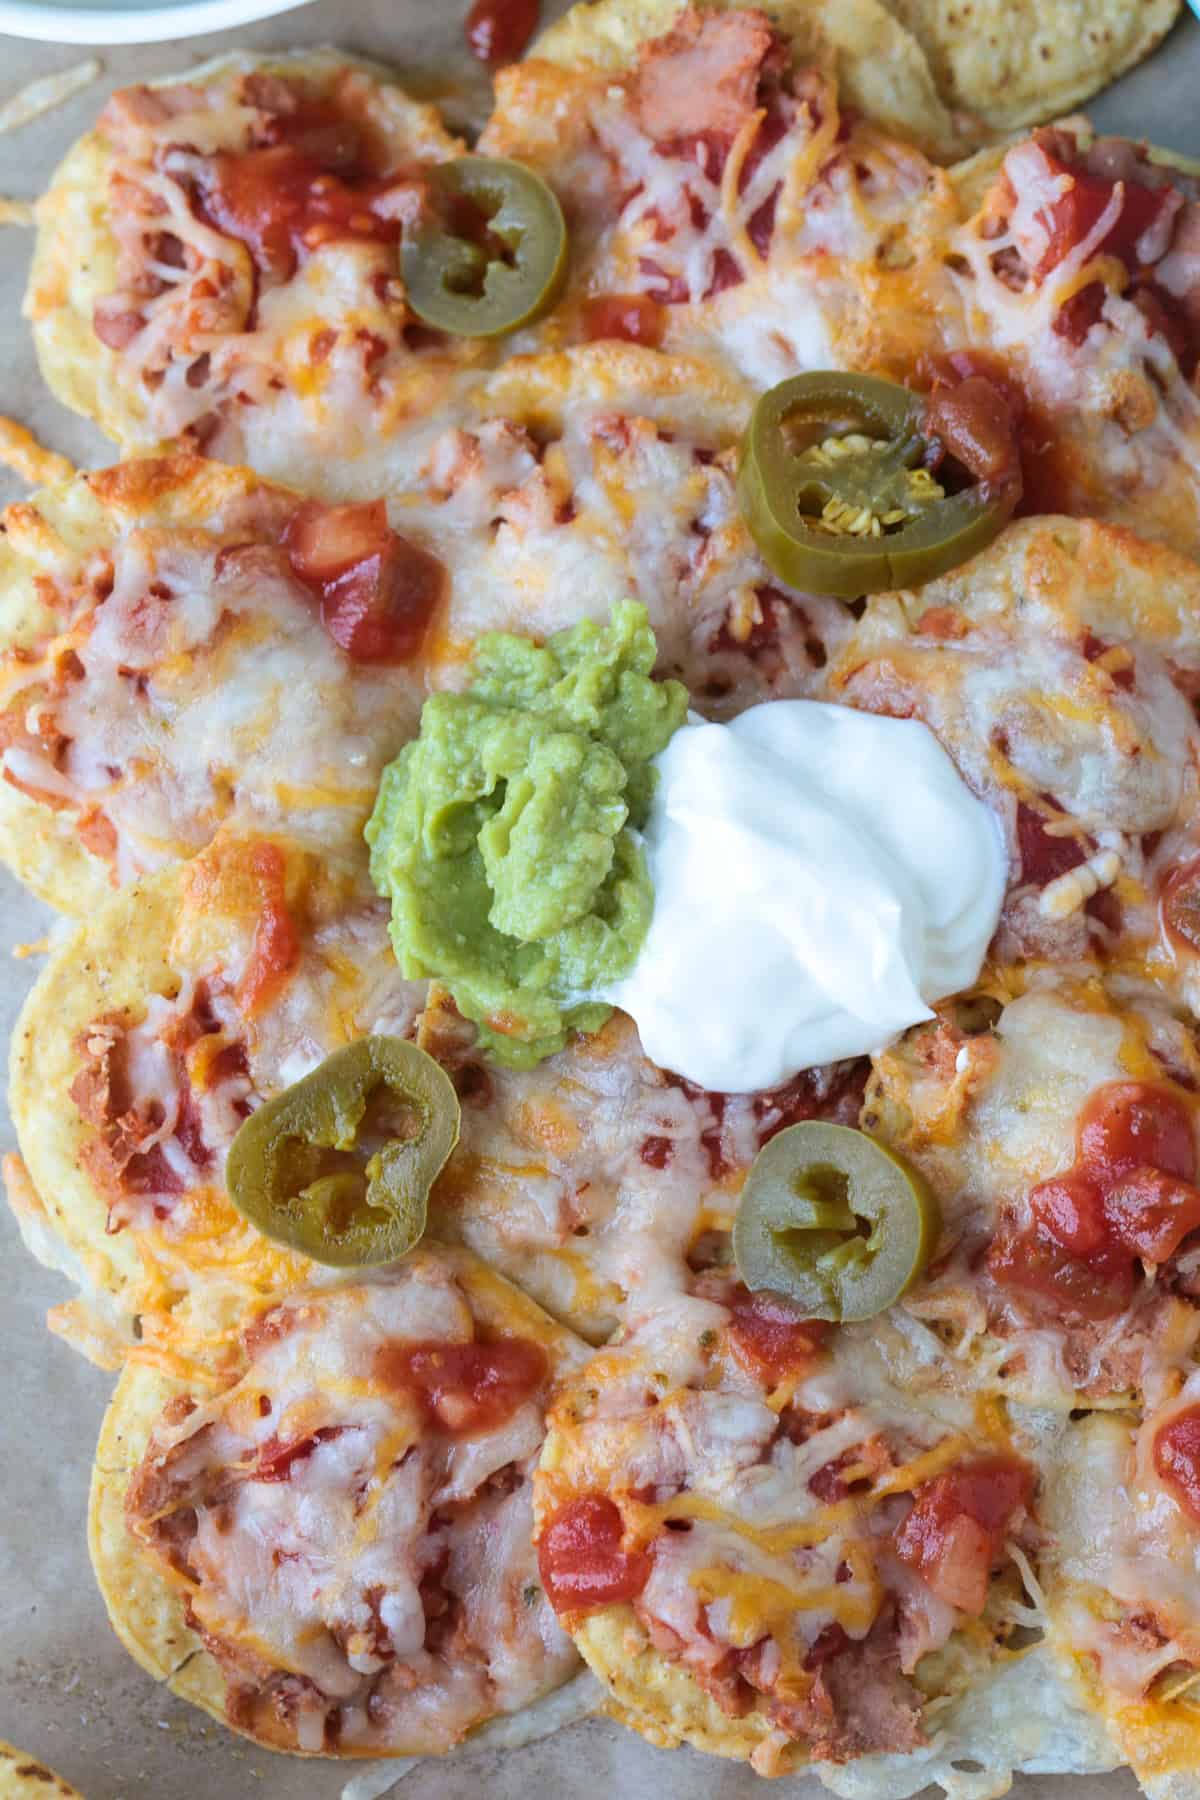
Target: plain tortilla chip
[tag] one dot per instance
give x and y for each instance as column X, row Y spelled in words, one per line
column 23, row 1777
column 880, row 67
column 1012, row 63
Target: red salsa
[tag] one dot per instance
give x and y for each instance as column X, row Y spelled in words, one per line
column 465, row 1388
column 276, row 947
column 769, row 1337
column 958, row 1524
column 582, row 1559
column 378, row 592
column 1130, row 1194
column 1177, row 1458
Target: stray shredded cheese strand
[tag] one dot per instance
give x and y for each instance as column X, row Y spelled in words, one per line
column 50, row 91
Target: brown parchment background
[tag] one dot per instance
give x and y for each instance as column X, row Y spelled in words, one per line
column 68, row 1692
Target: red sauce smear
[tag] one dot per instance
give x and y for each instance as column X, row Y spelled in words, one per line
column 276, row 947
column 958, row 1524
column 497, row 31
column 280, row 202
column 582, row 1562
column 770, row 1338
column 465, row 1388
column 1177, row 1458
column 378, row 592
column 1130, row 1194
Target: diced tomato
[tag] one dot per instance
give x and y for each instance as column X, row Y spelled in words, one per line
column 1177, row 1458
column 583, row 1564
column 770, row 1338
column 378, row 592
column 276, row 947
column 466, row 1388
column 323, row 542
column 1071, row 1208
column 958, row 1523
column 635, row 318
column 1107, row 911
column 1129, row 1125
column 1130, row 1194
column 1147, row 1211
column 1076, row 213
column 1033, row 1261
column 276, row 1461
column 379, row 611
column 1046, row 854
column 497, row 31
column 1045, row 459
column 1151, row 1213
column 976, row 422
column 1180, row 906
column 189, row 1124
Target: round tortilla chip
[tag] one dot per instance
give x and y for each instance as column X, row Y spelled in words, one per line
column 1018, row 62
column 55, row 531
column 1002, row 1713
column 217, row 729
column 76, row 256
column 146, row 1607
column 880, row 67
column 148, row 940
column 23, row 1777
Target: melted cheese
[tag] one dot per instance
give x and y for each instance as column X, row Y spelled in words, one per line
column 763, row 1560
column 1119, row 399
column 193, row 686
column 849, row 210
column 319, row 1572
column 271, row 370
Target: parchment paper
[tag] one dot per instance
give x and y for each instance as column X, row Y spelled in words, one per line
column 68, row 1691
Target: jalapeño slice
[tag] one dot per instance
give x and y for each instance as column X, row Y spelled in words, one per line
column 835, row 487
column 340, row 1165
column 491, row 251
column 833, row 1220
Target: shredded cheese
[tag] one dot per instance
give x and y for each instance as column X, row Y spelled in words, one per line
column 21, row 452
column 1067, row 893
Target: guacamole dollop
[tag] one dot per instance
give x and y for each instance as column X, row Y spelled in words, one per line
column 504, row 834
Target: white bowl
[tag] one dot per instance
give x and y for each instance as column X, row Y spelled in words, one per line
column 151, row 23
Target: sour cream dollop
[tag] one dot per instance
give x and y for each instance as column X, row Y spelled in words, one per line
column 820, row 875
